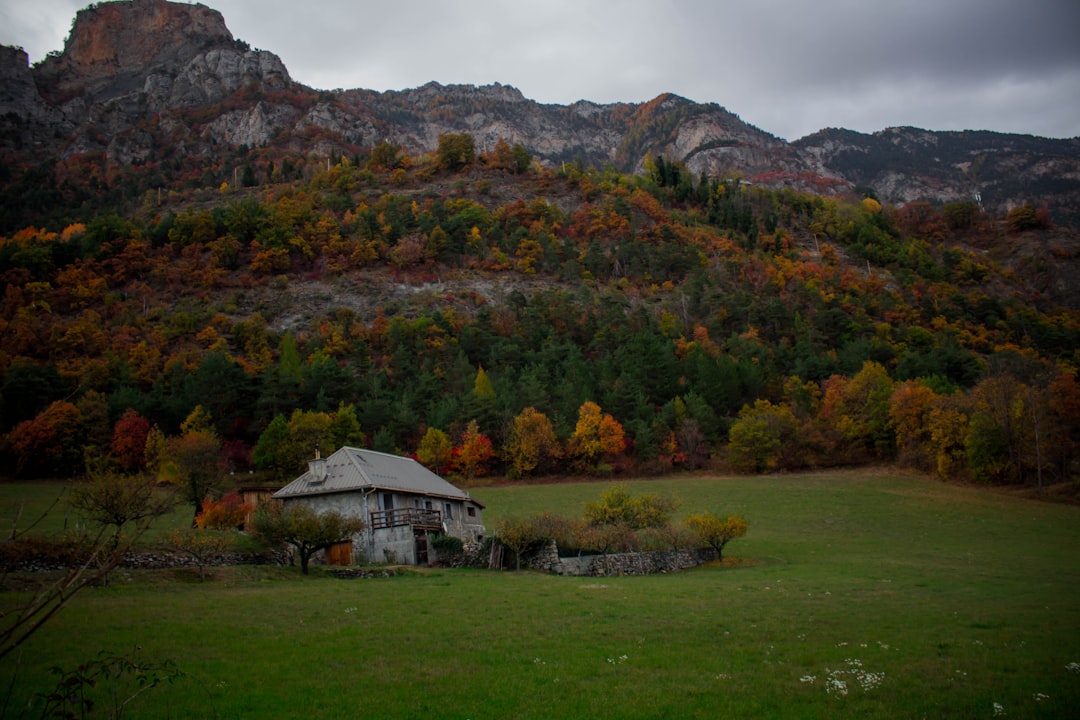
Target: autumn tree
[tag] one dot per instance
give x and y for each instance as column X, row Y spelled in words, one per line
column 532, row 443
column 129, row 440
column 191, row 460
column 616, row 506
column 224, row 513
column 520, row 535
column 909, row 410
column 436, row 450
column 51, row 443
column 597, row 436
column 948, row 424
column 757, row 439
column 472, row 456
column 715, row 531
column 300, row 526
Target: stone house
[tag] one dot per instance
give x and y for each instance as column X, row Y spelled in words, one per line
column 399, row 500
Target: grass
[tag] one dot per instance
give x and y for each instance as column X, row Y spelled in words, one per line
column 42, row 509
column 922, row 599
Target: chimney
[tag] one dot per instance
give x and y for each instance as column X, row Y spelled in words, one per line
column 317, row 468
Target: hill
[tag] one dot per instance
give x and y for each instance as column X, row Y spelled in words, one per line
column 147, row 93
column 373, row 268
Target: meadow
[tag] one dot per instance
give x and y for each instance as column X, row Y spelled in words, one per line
column 868, row 594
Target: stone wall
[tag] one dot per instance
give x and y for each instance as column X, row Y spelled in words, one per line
column 634, row 563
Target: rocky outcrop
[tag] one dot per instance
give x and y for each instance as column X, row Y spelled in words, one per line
column 126, row 64
column 144, row 80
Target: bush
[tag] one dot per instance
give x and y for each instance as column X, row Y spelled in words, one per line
column 447, row 547
column 34, row 553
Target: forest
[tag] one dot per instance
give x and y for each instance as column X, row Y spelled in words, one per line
column 491, row 316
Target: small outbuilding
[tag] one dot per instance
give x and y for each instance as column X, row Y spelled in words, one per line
column 400, row 501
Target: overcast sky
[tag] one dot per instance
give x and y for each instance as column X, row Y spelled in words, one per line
column 790, row 67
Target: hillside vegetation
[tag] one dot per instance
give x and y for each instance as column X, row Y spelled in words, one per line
column 425, row 304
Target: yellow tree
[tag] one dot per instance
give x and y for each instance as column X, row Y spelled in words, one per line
column 715, row 531
column 909, row 410
column 597, row 435
column 436, row 450
column 532, row 442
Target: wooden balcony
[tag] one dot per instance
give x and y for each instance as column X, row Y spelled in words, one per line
column 420, row 518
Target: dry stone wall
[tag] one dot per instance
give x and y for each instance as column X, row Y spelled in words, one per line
column 633, row 563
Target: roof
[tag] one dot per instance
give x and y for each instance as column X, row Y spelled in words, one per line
column 352, row 469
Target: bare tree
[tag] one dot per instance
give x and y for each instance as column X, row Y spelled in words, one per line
column 123, row 507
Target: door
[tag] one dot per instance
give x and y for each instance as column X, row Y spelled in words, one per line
column 339, row 553
column 421, row 539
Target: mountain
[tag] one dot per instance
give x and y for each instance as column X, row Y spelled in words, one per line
column 146, row 83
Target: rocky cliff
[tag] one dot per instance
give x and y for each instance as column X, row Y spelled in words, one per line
column 139, row 81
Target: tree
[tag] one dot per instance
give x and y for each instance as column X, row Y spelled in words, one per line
column 123, row 508
column 204, row 546
column 909, row 410
column 51, row 443
column 385, row 156
column 226, row 513
column 520, row 535
column 597, row 435
column 436, row 450
column 456, row 150
column 192, row 459
column 717, row 532
column 616, row 506
column 300, row 526
column 757, row 439
column 532, row 442
column 475, row 451
column 129, row 440
column 270, row 450
column 120, row 501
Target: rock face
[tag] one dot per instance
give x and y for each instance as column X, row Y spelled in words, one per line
column 125, row 63
column 143, row 80
column 905, row 164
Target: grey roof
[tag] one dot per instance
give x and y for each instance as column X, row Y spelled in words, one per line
column 351, row 469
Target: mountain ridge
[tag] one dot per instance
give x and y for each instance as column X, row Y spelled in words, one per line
column 140, row 81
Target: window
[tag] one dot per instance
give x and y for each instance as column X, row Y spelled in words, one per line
column 448, row 511
column 471, row 511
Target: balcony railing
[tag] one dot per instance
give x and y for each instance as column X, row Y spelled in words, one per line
column 416, row 517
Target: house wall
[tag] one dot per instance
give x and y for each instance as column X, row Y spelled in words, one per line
column 398, row 542
column 396, row 545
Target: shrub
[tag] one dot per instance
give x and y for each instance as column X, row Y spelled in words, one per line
column 447, row 547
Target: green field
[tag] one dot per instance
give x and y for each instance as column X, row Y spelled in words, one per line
column 867, row 594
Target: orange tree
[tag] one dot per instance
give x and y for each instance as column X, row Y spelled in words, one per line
column 597, row 436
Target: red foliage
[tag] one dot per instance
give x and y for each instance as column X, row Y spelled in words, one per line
column 129, row 440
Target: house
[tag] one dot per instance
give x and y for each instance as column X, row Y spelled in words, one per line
column 399, row 500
